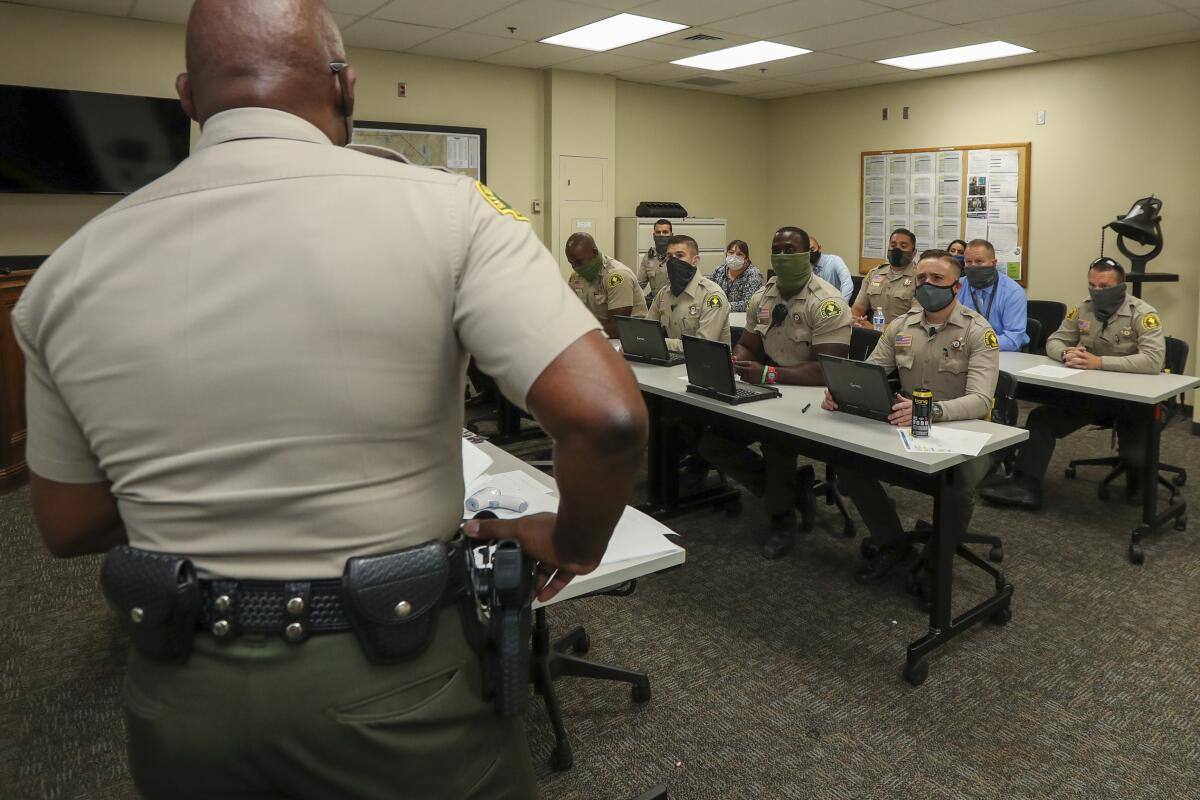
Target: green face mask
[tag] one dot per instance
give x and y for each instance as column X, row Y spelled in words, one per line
column 792, row 271
column 590, row 269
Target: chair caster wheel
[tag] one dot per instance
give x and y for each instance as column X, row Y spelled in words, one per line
column 849, row 531
column 1181, row 522
column 996, row 555
column 1069, row 472
column 1102, row 492
column 916, row 673
column 641, row 693
column 1136, row 556
column 1179, row 480
column 1003, row 616
column 561, row 758
column 868, row 549
column 581, row 645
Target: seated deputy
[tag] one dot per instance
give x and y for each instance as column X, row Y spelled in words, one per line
column 606, row 286
column 791, row 321
column 690, row 303
column 1111, row 331
column 998, row 297
column 889, row 286
column 952, row 351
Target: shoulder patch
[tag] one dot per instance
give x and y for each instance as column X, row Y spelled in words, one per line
column 715, row 301
column 1150, row 322
column 830, row 309
column 989, row 339
column 495, row 202
column 1073, row 313
column 615, row 279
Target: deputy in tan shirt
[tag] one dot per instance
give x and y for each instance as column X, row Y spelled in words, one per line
column 652, row 269
column 791, row 321
column 889, row 286
column 604, row 285
column 1109, row 331
column 239, row 364
column 952, row 351
column 690, row 303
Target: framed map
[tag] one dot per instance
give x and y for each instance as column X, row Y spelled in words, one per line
column 461, row 150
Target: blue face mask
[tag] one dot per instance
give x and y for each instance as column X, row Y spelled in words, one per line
column 961, row 260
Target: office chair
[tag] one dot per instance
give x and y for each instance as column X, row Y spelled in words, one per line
column 1033, row 329
column 1051, row 314
column 862, row 342
column 857, row 281
column 1174, row 362
column 507, row 417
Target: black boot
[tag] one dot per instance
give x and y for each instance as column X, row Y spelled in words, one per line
column 883, row 562
column 1020, row 491
column 782, row 537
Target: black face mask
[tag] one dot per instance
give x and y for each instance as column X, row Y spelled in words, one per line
column 680, row 273
column 934, row 298
column 1106, row 302
column 900, row 258
column 982, row 277
column 660, row 244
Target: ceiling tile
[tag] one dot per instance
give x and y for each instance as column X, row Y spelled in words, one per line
column 940, row 39
column 795, row 91
column 615, row 5
column 799, row 65
column 535, row 55
column 655, row 50
column 1158, row 24
column 957, row 12
column 851, row 72
column 656, row 73
column 109, row 8
column 899, row 3
column 1139, row 43
column 175, row 11
column 796, row 16
column 384, row 35
column 752, row 88
column 1091, row 12
column 356, row 7
column 604, row 63
column 699, row 12
column 465, row 46
column 538, row 19
column 867, row 29
column 345, row 20
column 442, row 14
column 1184, row 3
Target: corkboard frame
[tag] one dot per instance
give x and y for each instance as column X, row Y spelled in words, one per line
column 1024, row 152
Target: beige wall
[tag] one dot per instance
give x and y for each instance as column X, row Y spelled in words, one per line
column 706, row 151
column 1117, row 128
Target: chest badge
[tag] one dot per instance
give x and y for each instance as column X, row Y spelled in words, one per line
column 1084, row 325
column 956, row 344
column 693, row 311
column 1127, row 332
column 908, row 281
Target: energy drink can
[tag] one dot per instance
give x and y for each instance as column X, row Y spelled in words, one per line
column 922, row 412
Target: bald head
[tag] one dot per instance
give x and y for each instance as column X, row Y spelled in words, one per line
column 268, row 54
column 580, row 248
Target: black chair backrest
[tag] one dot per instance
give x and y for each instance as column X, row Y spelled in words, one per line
column 1033, row 329
column 1175, row 362
column 1051, row 314
column 857, row 281
column 862, row 342
column 1005, row 408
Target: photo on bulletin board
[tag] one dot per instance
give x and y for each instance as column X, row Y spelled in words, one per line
column 461, row 150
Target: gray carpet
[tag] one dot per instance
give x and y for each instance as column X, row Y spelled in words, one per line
column 770, row 680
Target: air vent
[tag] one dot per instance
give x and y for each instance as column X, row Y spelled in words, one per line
column 702, row 37
column 706, row 82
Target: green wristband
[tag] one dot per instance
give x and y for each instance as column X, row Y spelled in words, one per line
column 763, row 379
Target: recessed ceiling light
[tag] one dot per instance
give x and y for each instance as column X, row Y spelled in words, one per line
column 613, row 32
column 957, row 55
column 742, row 56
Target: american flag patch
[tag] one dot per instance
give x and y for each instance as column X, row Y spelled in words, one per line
column 903, row 340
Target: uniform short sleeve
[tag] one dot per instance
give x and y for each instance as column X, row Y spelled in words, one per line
column 56, row 448
column 512, row 310
column 831, row 322
column 1066, row 336
column 620, row 290
column 752, row 306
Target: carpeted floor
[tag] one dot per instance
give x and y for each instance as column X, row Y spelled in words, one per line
column 770, row 680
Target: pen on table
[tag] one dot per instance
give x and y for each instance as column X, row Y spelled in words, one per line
column 805, row 409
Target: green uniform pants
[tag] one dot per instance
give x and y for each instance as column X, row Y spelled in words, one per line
column 1047, row 424
column 879, row 513
column 259, row 718
column 771, row 476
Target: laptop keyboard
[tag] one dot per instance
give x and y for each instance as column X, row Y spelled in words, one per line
column 747, row 393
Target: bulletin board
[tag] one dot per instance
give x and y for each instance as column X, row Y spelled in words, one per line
column 947, row 193
column 461, row 150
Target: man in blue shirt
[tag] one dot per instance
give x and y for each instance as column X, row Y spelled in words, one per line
column 833, row 270
column 995, row 295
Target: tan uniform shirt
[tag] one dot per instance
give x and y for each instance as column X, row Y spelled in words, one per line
column 959, row 364
column 1133, row 340
column 615, row 287
column 264, row 350
column 701, row 310
column 652, row 272
column 817, row 314
column 884, row 287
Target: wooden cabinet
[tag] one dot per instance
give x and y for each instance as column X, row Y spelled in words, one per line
column 13, row 472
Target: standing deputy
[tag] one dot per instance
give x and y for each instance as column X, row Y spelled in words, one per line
column 652, row 271
column 690, row 303
column 889, row 286
column 952, row 351
column 606, row 286
column 1110, row 331
column 791, row 321
column 225, row 369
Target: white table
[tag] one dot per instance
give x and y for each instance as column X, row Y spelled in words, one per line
column 1120, row 394
column 865, row 445
column 737, row 319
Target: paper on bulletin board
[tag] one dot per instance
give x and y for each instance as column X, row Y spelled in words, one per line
column 949, row 229
column 950, row 163
column 894, row 223
column 1002, row 186
column 949, row 205
column 873, row 227
column 898, row 165
column 458, row 152
column 979, row 162
column 922, row 207
column 923, row 185
column 897, row 207
column 1005, row 240
column 874, row 186
column 1002, row 210
column 874, row 207
column 873, row 247
column 924, row 230
column 922, row 163
column 874, row 166
column 976, row 229
column 897, row 186
column 1001, row 161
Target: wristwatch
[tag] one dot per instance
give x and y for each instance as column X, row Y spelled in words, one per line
column 937, row 412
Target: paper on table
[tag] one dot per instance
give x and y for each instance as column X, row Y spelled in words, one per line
column 1051, row 371
column 945, row 440
column 475, row 462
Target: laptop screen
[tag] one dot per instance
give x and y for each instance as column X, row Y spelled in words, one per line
column 642, row 337
column 708, row 364
column 856, row 383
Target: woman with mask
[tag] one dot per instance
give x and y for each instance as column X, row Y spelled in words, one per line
column 958, row 249
column 737, row 277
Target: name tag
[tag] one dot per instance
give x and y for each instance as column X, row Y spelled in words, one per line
column 903, row 340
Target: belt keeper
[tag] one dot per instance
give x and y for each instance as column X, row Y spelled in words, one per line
column 297, row 607
column 226, row 610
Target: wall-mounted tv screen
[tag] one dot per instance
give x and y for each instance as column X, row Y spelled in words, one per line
column 62, row 142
